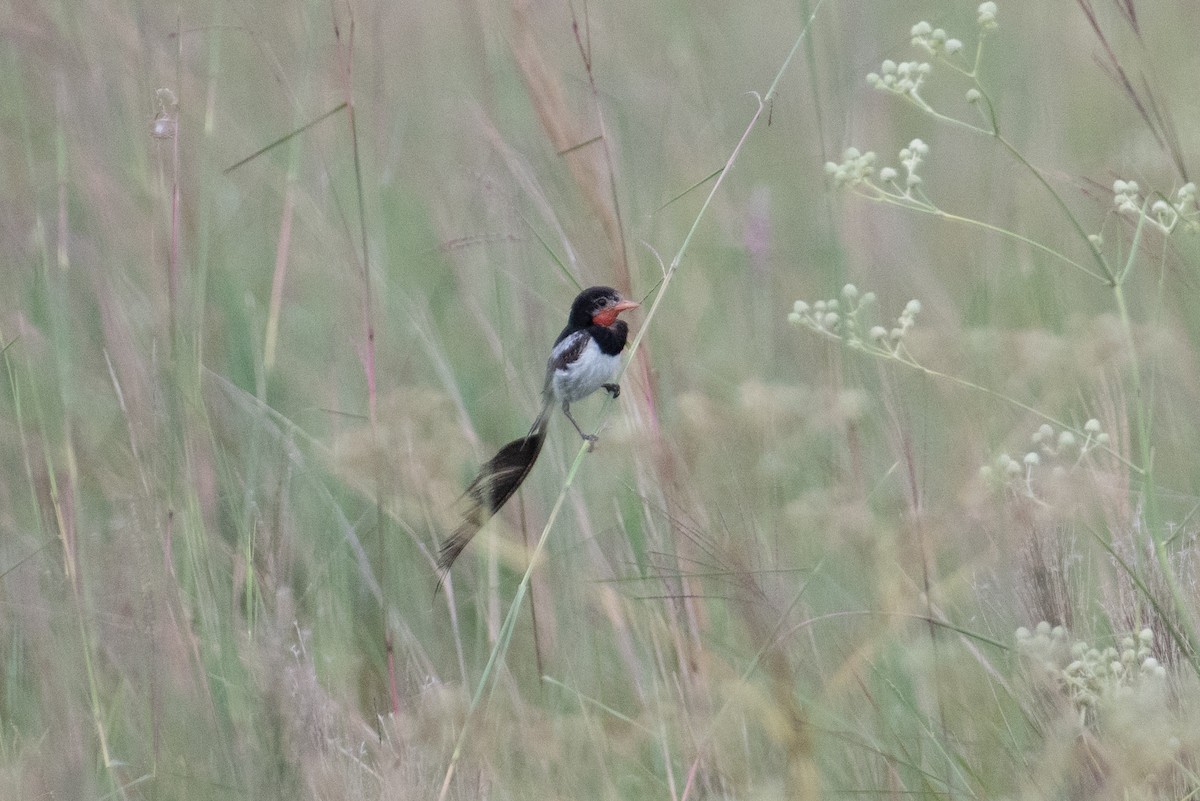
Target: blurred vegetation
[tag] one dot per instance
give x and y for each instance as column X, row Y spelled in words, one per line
column 240, row 404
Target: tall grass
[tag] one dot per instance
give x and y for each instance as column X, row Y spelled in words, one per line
column 242, row 395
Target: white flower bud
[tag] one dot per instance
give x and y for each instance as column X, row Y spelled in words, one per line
column 987, row 15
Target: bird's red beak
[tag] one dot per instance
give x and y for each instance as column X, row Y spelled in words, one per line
column 609, row 315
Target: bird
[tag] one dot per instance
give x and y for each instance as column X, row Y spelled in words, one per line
column 583, row 360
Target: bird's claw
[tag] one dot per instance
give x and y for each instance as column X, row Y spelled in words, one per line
column 612, row 389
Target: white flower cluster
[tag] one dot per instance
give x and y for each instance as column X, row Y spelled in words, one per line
column 934, row 40
column 1061, row 450
column 856, row 168
column 911, row 157
column 1092, row 676
column 840, row 318
column 1126, row 197
column 835, row 318
column 904, row 78
column 1062, row 443
column 1164, row 214
column 904, row 322
column 986, row 19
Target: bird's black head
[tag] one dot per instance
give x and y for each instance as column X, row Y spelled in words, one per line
column 598, row 305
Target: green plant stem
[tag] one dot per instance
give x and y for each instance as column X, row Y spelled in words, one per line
column 925, row 207
column 903, row 357
column 1093, row 248
column 1144, row 424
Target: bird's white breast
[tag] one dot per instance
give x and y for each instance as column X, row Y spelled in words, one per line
column 586, row 374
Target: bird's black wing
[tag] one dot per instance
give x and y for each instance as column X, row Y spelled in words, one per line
column 568, row 351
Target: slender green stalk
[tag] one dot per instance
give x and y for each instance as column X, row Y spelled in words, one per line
column 1144, row 424
column 924, row 206
column 1093, row 248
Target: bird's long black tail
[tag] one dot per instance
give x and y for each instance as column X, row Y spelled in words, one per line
column 497, row 481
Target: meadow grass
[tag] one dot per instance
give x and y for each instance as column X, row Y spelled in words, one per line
column 281, row 277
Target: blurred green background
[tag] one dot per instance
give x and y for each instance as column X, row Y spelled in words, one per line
column 240, row 405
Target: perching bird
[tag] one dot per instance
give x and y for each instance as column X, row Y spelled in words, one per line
column 584, row 359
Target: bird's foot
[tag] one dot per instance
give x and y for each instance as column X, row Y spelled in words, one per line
column 591, row 440
column 612, row 389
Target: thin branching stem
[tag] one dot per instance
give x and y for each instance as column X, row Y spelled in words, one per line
column 901, row 355
column 923, row 206
column 914, row 98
